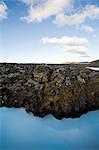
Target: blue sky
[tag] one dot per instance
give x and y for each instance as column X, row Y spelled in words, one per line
column 49, row 31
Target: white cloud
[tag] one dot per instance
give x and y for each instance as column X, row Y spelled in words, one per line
column 89, row 12
column 3, row 11
column 65, row 40
column 27, row 1
column 40, row 10
column 87, row 28
column 79, row 50
column 46, row 9
column 75, row 45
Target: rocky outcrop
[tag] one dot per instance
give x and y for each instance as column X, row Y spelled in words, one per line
column 94, row 63
column 60, row 90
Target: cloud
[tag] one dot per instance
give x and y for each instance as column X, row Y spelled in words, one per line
column 75, row 49
column 65, row 40
column 78, row 50
column 27, row 1
column 61, row 12
column 3, row 11
column 89, row 12
column 87, row 28
column 46, row 9
column 74, row 45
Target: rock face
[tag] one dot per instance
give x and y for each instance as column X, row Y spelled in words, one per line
column 60, row 90
column 95, row 63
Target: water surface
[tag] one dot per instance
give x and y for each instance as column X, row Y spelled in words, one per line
column 22, row 131
column 93, row 68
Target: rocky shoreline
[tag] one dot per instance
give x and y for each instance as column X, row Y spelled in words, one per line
column 61, row 90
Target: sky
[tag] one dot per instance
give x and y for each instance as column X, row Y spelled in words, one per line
column 49, row 31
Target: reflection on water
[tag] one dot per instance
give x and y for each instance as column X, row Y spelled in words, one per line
column 20, row 130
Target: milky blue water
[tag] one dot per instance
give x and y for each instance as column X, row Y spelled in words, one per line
column 93, row 68
column 22, row 131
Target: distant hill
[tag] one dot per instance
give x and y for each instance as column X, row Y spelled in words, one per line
column 95, row 63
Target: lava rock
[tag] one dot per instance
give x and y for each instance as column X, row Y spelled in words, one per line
column 61, row 90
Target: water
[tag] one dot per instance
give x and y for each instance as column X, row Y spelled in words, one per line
column 22, row 131
column 93, row 68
